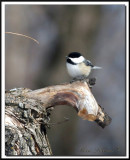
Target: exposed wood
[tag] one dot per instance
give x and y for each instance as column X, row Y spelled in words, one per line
column 77, row 95
column 27, row 114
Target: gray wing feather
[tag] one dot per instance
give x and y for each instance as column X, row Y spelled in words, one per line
column 88, row 63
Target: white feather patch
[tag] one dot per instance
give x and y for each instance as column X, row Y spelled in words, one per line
column 73, row 70
column 77, row 60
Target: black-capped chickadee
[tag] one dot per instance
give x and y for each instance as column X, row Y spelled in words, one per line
column 77, row 65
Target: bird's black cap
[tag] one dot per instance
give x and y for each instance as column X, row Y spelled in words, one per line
column 74, row 55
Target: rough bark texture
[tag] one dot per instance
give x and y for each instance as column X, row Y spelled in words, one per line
column 27, row 115
column 25, row 121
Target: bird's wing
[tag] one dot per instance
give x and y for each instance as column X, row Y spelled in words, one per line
column 88, row 63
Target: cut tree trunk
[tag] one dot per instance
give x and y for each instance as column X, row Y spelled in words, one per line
column 27, row 115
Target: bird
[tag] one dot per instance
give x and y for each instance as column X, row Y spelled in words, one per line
column 78, row 66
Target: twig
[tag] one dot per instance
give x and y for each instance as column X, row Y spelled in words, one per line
column 23, row 36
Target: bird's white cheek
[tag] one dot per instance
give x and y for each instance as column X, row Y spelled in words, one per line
column 77, row 60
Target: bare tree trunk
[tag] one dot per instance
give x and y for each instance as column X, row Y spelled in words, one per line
column 25, row 120
column 27, row 115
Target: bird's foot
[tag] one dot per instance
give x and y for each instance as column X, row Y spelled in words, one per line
column 79, row 78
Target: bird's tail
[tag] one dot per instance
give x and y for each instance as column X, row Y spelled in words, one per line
column 96, row 67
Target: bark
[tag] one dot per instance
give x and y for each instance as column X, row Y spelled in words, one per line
column 27, row 115
column 25, row 125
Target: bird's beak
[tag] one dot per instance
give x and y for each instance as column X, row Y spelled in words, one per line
column 66, row 57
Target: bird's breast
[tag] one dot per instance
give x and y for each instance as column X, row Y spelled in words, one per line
column 84, row 69
column 78, row 70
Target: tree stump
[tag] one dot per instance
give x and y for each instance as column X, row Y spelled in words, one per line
column 27, row 115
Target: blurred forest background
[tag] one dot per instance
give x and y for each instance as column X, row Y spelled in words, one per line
column 96, row 31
